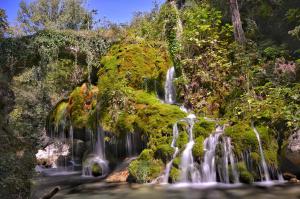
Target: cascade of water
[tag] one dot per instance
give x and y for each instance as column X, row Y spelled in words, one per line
column 262, row 157
column 176, row 150
column 98, row 157
column 232, row 162
column 170, row 96
column 71, row 134
column 208, row 168
column 188, row 170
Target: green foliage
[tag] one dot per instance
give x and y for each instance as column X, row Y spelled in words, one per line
column 172, row 27
column 205, row 59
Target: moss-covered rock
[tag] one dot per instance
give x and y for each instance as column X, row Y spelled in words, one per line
column 145, row 168
column 81, row 102
column 164, row 152
column 245, row 175
column 203, row 127
column 96, row 170
column 137, row 63
column 198, row 149
column 174, row 175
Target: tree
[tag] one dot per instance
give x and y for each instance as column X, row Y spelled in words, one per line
column 239, row 34
column 3, row 23
column 54, row 14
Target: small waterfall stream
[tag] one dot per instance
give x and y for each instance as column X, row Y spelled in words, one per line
column 208, row 168
column 176, row 151
column 170, row 95
column 98, row 157
column 264, row 166
column 189, row 173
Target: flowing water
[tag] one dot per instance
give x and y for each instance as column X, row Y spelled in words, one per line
column 208, row 166
column 176, row 151
column 262, row 157
column 170, row 95
column 189, row 172
column 98, row 156
column 228, row 160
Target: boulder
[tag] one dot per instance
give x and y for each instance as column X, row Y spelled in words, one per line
column 290, row 156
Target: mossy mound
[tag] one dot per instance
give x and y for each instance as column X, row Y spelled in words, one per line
column 145, row 168
column 81, row 102
column 245, row 175
column 138, row 63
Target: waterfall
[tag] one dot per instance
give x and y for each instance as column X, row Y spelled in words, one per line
column 98, row 157
column 208, row 168
column 176, row 150
column 262, row 157
column 170, row 95
column 71, row 134
column 188, row 170
column 130, row 148
column 228, row 158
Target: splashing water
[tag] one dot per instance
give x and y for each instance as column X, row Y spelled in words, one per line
column 170, row 94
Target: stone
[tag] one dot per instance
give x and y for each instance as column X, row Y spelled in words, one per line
column 96, row 170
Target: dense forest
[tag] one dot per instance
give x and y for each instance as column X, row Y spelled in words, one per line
column 193, row 83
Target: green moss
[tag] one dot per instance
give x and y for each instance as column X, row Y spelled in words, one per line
column 175, row 175
column 60, row 113
column 145, row 168
column 81, row 103
column 164, row 152
column 136, row 62
column 245, row 175
column 242, row 137
column 203, row 127
column 96, row 170
column 182, row 140
column 146, row 154
column 198, row 149
column 176, row 162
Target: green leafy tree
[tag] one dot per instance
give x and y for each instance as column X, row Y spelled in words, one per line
column 54, row 14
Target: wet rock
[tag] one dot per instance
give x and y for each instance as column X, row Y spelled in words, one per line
column 288, row 176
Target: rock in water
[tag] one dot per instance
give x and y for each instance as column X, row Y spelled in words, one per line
column 96, row 170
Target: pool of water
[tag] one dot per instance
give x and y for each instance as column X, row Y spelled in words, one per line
column 77, row 187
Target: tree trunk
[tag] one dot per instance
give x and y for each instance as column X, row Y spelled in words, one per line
column 239, row 34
